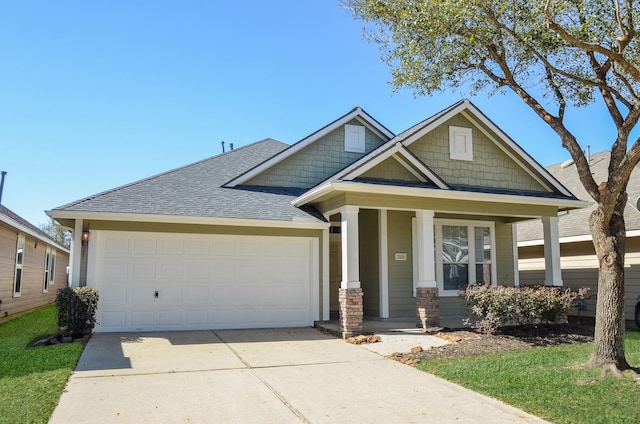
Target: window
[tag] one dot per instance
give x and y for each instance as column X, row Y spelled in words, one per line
column 17, row 281
column 464, row 254
column 354, row 138
column 460, row 143
column 52, row 267
column 49, row 269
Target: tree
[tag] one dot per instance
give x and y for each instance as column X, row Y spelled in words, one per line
column 553, row 54
column 57, row 232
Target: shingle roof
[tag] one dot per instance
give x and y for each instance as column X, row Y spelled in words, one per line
column 23, row 222
column 196, row 190
column 575, row 222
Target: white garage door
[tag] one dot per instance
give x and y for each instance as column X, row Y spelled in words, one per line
column 165, row 281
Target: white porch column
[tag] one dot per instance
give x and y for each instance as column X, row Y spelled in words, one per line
column 350, row 253
column 76, row 254
column 426, row 250
column 516, row 269
column 553, row 272
column 325, row 274
column 384, row 263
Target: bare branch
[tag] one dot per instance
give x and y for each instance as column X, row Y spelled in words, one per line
column 616, row 57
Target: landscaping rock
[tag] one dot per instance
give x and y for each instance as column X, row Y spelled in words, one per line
column 373, row 339
column 416, row 349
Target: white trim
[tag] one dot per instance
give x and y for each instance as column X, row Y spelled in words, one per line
column 514, row 246
column 76, row 257
column 325, row 275
column 350, row 247
column 384, row 263
column 21, row 238
column 353, row 170
column 571, row 239
column 466, row 105
column 438, row 223
column 414, row 247
column 406, row 166
column 315, row 278
column 467, row 153
column 357, row 143
column 353, row 186
column 357, row 113
column 178, row 219
column 507, row 152
column 24, row 229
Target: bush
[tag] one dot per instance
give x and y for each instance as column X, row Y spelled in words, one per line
column 497, row 306
column 77, row 310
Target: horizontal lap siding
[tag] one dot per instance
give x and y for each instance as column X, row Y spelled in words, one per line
column 580, row 269
column 32, row 274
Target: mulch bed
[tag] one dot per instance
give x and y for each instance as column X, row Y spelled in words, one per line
column 469, row 342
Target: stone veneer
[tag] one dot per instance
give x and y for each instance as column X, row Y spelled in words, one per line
column 427, row 307
column 351, row 311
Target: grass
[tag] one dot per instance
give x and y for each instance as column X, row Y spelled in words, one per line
column 32, row 379
column 549, row 382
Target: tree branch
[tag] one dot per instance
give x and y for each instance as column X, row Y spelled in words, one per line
column 593, row 47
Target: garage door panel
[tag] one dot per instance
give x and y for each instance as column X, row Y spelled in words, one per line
column 203, row 281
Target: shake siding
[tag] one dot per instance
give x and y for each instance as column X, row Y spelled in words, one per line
column 369, row 261
column 32, row 273
column 401, row 300
column 316, row 162
column 490, row 167
column 390, row 169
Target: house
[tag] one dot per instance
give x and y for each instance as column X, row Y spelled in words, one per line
column 32, row 265
column 352, row 220
column 577, row 255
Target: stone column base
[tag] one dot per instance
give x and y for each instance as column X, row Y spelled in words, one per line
column 427, row 307
column 351, row 311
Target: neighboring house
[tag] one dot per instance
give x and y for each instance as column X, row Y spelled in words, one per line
column 578, row 260
column 32, row 265
column 348, row 221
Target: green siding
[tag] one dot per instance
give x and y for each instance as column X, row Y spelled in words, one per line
column 399, row 240
column 369, row 261
column 491, row 167
column 390, row 169
column 316, row 162
column 504, row 254
column 452, row 306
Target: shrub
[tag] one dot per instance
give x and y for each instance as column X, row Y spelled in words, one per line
column 77, row 310
column 497, row 306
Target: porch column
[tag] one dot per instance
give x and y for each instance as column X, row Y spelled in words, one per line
column 427, row 303
column 76, row 254
column 553, row 272
column 350, row 295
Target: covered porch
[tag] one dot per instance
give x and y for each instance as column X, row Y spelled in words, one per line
column 388, row 266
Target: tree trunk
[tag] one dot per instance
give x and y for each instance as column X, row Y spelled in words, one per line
column 609, row 242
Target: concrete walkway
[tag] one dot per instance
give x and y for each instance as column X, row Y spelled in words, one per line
column 260, row 376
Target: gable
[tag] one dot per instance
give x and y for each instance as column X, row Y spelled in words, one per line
column 486, row 165
column 317, row 161
column 390, row 169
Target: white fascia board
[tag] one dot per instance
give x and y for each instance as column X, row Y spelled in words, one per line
column 177, row 219
column 357, row 113
column 358, row 169
column 408, row 167
column 571, row 239
column 466, row 105
column 26, row 230
column 508, row 141
column 350, row 186
column 422, row 168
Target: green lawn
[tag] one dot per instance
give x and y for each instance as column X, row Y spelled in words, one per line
column 32, row 379
column 548, row 382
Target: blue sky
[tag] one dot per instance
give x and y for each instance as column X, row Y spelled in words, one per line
column 96, row 94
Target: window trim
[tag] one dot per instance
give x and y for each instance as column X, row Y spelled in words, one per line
column 470, row 224
column 354, row 145
column 19, row 266
column 467, row 154
column 47, row 266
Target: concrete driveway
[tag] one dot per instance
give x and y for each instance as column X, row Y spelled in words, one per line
column 260, row 376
